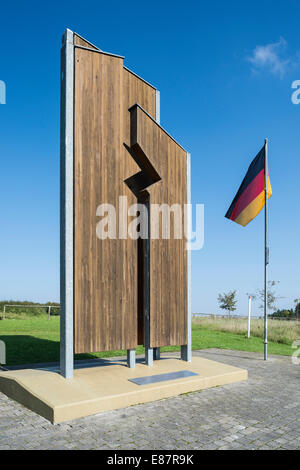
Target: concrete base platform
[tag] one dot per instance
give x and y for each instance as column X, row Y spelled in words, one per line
column 108, row 386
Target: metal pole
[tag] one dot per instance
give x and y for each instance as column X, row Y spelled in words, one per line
column 249, row 315
column 66, row 208
column 266, row 255
column 131, row 358
column 148, row 349
column 186, row 350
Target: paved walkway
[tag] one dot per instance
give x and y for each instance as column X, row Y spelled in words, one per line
column 262, row 413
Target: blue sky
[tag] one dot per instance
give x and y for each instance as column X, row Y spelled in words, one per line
column 224, row 70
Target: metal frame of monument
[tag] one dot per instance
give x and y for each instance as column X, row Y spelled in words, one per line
column 67, row 219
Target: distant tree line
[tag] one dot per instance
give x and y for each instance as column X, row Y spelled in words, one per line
column 292, row 313
column 228, row 302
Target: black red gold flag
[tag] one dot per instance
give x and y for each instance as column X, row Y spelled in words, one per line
column 250, row 198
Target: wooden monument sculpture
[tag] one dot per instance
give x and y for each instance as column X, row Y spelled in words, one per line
column 117, row 293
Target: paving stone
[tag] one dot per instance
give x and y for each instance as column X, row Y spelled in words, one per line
column 262, row 413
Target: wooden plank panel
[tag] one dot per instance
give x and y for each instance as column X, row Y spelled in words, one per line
column 105, row 281
column 105, row 271
column 106, row 278
column 168, row 257
column 78, row 40
column 136, row 90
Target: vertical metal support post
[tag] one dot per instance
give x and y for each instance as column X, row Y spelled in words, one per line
column 186, row 349
column 131, row 358
column 149, row 356
column 266, row 256
column 148, row 350
column 156, row 354
column 66, row 206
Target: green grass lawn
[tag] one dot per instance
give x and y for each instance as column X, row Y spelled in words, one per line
column 36, row 339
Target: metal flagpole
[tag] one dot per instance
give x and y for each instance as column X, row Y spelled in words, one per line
column 266, row 254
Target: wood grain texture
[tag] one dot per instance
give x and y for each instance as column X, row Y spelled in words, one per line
column 105, row 271
column 136, row 90
column 82, row 42
column 168, row 257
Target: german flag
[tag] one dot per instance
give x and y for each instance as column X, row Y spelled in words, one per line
column 250, row 198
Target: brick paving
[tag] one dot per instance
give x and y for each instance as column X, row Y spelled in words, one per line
column 262, row 413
